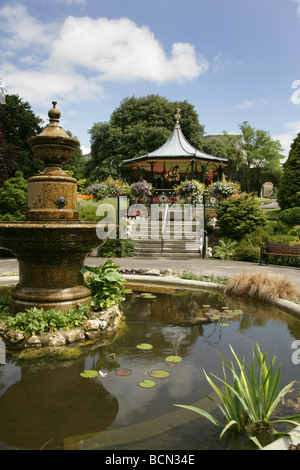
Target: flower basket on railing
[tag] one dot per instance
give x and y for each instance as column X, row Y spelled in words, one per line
column 190, row 190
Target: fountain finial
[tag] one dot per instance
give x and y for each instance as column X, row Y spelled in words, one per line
column 54, row 113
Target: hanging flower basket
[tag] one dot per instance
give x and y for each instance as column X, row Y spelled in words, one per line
column 190, row 189
column 223, row 189
column 108, row 188
column 140, row 190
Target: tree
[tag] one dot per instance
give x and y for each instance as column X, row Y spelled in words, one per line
column 9, row 154
column 226, row 146
column 289, row 188
column 13, row 197
column 262, row 157
column 77, row 162
column 18, row 123
column 139, row 126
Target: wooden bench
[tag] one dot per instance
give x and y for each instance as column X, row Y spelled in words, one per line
column 278, row 249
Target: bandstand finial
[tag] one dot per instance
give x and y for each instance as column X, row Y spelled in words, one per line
column 177, row 115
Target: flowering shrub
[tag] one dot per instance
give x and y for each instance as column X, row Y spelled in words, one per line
column 108, row 188
column 140, row 190
column 224, row 188
column 190, row 189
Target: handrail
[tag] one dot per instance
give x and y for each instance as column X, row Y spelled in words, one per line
column 164, row 226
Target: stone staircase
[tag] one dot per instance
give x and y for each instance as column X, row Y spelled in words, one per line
column 167, row 237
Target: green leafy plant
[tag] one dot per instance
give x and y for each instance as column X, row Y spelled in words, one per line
column 226, row 248
column 106, row 284
column 249, row 402
column 38, row 321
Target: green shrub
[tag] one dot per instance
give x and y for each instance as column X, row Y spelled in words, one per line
column 117, row 248
column 295, row 231
column 290, row 216
column 249, row 247
column 239, row 216
column 13, row 198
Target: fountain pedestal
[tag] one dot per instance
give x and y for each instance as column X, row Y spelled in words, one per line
column 51, row 244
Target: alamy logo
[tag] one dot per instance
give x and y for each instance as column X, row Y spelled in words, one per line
column 296, row 354
column 151, row 223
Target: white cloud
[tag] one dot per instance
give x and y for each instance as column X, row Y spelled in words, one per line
column 119, row 50
column 247, row 104
column 75, row 58
column 286, row 138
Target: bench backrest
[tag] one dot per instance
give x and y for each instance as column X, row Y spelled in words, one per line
column 283, row 248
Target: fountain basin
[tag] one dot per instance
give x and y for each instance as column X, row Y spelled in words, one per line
column 50, row 257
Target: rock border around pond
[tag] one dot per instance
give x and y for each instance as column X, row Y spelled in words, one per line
column 94, row 327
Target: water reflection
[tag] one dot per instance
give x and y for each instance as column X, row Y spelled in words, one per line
column 48, row 404
column 46, row 401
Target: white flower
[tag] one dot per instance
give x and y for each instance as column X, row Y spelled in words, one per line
column 102, row 374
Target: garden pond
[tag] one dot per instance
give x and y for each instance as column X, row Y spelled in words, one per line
column 97, row 397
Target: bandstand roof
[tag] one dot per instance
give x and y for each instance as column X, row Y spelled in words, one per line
column 176, row 148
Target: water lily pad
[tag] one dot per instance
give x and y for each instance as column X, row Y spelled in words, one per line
column 205, row 306
column 173, row 359
column 147, row 383
column 146, row 295
column 200, row 319
column 123, row 372
column 159, row 374
column 224, row 324
column 145, row 346
column 216, row 317
column 89, row 374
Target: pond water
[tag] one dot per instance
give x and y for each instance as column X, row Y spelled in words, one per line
column 46, row 403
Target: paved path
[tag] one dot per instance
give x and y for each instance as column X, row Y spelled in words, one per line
column 205, row 267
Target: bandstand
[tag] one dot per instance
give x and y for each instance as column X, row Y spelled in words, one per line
column 174, row 161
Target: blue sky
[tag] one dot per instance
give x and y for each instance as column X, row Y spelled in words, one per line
column 234, row 60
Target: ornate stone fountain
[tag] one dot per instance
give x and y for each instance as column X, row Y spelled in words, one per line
column 51, row 244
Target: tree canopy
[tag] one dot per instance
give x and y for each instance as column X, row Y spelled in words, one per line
column 139, row 126
column 17, row 123
column 289, row 188
column 262, row 157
